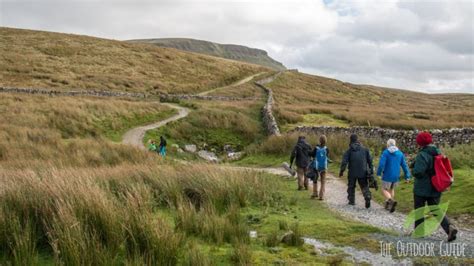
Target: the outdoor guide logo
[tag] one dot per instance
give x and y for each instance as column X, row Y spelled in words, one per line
column 432, row 214
column 432, row 217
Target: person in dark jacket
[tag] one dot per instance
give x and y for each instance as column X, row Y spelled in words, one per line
column 359, row 160
column 302, row 153
column 162, row 147
column 423, row 190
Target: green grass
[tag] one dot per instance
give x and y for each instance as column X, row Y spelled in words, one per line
column 107, row 125
column 314, row 120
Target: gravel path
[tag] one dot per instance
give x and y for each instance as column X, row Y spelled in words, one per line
column 135, row 135
column 238, row 83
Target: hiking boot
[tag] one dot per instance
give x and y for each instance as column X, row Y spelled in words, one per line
column 314, row 196
column 321, row 198
column 387, row 204
column 452, row 234
column 392, row 208
column 352, row 203
column 367, row 204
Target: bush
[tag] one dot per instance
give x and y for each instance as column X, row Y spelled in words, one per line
column 461, row 156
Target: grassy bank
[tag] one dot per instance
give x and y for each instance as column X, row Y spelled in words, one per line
column 212, row 125
column 66, row 61
column 70, row 131
column 297, row 94
column 162, row 215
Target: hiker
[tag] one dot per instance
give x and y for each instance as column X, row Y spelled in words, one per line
column 162, row 147
column 359, row 160
column 321, row 159
column 151, row 145
column 389, row 168
column 423, row 190
column 302, row 153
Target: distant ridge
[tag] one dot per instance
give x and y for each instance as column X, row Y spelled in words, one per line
column 229, row 51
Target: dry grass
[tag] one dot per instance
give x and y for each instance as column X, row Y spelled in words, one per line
column 65, row 61
column 69, row 131
column 298, row 94
column 108, row 215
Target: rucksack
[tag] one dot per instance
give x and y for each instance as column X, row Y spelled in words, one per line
column 443, row 176
column 321, row 158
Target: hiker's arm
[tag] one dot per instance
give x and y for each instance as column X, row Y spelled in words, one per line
column 382, row 162
column 405, row 168
column 370, row 162
column 420, row 166
column 345, row 161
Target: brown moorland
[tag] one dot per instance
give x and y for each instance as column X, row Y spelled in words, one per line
column 297, row 94
column 42, row 59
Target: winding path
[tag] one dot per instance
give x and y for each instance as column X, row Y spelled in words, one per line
column 238, row 83
column 135, row 135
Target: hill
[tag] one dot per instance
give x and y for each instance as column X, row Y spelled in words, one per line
column 315, row 100
column 229, row 51
column 31, row 58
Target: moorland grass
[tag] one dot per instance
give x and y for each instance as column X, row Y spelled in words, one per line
column 297, row 94
column 66, row 61
column 115, row 215
column 70, row 131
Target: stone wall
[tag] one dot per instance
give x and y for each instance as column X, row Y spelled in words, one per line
column 406, row 139
column 72, row 93
column 269, row 120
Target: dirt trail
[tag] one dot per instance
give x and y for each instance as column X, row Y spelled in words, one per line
column 238, row 83
column 135, row 135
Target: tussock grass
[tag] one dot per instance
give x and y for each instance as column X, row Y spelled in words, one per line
column 298, row 94
column 65, row 61
column 70, row 131
column 108, row 214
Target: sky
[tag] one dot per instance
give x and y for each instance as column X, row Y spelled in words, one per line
column 420, row 45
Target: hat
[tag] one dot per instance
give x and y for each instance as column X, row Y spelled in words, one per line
column 354, row 138
column 424, row 138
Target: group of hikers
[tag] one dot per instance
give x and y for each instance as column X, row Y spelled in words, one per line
column 313, row 164
column 160, row 149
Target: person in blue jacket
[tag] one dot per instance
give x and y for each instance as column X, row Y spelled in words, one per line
column 389, row 168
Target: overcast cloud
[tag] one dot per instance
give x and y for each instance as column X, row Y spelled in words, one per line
column 419, row 45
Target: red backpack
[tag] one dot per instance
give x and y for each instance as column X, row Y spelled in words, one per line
column 443, row 173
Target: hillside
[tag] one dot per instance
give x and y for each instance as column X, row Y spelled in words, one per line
column 314, row 100
column 229, row 51
column 64, row 61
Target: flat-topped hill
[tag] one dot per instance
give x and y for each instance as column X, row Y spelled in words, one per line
column 229, row 51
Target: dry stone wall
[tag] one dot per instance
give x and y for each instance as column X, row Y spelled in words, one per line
column 72, row 93
column 269, row 120
column 406, row 139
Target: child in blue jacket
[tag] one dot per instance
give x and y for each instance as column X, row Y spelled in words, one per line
column 389, row 165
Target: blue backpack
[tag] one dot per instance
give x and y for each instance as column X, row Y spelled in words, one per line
column 321, row 158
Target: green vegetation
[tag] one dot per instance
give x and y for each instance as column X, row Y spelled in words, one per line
column 70, row 131
column 298, row 94
column 229, row 51
column 215, row 124
column 312, row 120
column 64, row 61
column 144, row 214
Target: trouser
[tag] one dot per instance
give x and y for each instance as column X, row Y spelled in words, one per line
column 420, row 201
column 364, row 186
column 302, row 179
column 322, row 185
